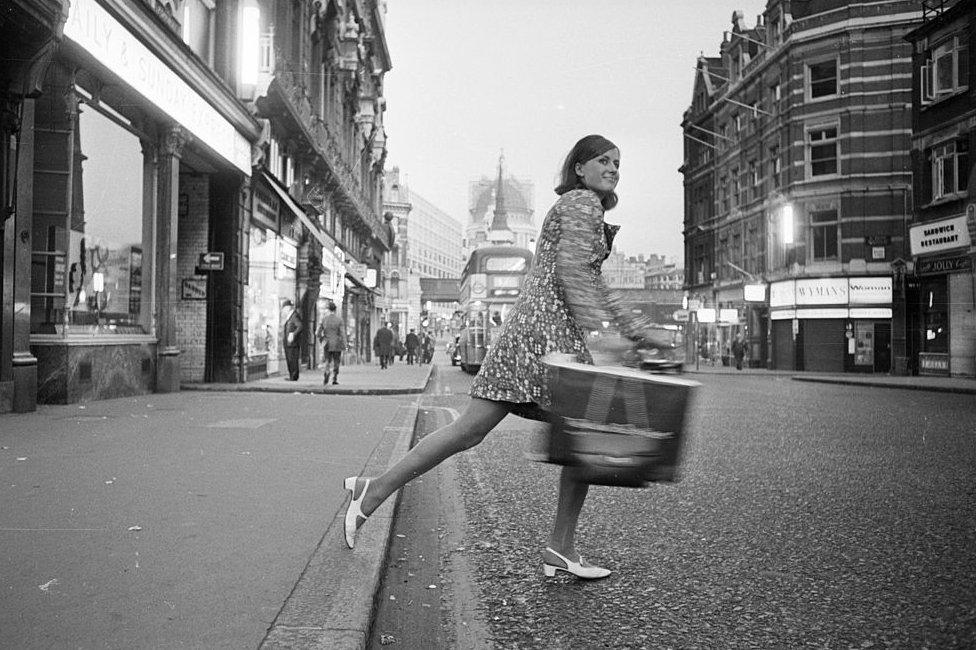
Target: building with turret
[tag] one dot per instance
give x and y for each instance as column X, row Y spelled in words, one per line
column 501, row 212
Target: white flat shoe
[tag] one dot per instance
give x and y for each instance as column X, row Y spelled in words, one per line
column 576, row 568
column 353, row 511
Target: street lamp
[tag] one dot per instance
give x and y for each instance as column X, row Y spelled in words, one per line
column 786, row 223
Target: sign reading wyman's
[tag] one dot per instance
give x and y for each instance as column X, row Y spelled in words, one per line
column 102, row 36
column 875, row 290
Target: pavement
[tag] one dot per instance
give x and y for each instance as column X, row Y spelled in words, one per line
column 963, row 385
column 208, row 518
column 357, row 379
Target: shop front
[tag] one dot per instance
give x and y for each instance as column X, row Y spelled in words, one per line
column 120, row 161
column 331, row 288
column 272, row 276
column 943, row 309
column 840, row 324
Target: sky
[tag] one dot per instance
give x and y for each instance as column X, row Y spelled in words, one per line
column 473, row 78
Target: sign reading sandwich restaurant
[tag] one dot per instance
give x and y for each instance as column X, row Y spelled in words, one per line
column 935, row 236
column 95, row 30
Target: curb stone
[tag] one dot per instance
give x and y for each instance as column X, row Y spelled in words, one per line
column 332, row 603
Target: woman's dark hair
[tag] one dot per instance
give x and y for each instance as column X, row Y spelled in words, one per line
column 583, row 151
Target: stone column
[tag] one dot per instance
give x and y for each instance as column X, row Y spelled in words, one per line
column 166, row 281
column 18, row 380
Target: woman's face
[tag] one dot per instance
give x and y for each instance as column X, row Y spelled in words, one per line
column 601, row 174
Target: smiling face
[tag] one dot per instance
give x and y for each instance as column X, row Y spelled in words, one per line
column 601, row 174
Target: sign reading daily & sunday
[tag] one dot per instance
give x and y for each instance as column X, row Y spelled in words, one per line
column 101, row 35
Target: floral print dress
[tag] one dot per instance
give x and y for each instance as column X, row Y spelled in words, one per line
column 564, row 298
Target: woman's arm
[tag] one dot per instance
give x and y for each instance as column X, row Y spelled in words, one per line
column 579, row 256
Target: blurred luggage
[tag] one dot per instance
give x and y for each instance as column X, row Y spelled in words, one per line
column 620, row 426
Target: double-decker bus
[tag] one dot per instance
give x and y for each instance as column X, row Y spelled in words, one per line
column 490, row 283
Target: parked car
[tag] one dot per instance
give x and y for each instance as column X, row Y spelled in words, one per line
column 454, row 350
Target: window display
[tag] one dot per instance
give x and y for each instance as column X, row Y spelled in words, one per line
column 271, row 281
column 88, row 257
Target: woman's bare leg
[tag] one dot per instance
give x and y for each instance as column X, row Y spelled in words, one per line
column 480, row 417
column 572, row 494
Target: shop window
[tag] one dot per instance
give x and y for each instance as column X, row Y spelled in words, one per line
column 824, row 226
column 946, row 71
column 935, row 316
column 822, row 147
column 88, row 258
column 950, row 168
column 822, row 79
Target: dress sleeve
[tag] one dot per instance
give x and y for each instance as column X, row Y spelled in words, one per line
column 580, row 251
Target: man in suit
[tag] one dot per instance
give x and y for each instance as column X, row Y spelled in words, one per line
column 383, row 345
column 332, row 334
column 412, row 343
column 293, row 327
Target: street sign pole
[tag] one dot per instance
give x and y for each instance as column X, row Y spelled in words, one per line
column 694, row 316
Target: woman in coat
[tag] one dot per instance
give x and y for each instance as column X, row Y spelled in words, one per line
column 564, row 298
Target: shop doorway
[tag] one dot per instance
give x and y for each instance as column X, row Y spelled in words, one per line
column 783, row 354
column 882, row 347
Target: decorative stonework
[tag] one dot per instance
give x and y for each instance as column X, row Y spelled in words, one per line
column 174, row 140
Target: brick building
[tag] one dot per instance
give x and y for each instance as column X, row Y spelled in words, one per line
column 937, row 284
column 797, row 178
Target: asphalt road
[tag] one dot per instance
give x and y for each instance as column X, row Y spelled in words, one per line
column 808, row 516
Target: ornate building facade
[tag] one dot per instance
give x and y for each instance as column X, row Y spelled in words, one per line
column 427, row 247
column 168, row 188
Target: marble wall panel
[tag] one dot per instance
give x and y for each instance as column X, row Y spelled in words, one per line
column 67, row 374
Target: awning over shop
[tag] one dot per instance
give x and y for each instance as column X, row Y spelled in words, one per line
column 292, row 205
column 358, row 283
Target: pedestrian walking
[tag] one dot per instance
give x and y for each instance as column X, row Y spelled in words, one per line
column 383, row 345
column 332, row 335
column 412, row 343
column 738, row 351
column 564, row 297
column 292, row 328
column 426, row 348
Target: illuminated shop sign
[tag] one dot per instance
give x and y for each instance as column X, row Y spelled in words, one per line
column 782, row 294
column 831, row 291
column 98, row 33
column 869, row 291
column 934, row 236
column 821, row 291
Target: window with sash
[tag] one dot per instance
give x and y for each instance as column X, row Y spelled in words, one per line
column 822, row 79
column 950, row 168
column 946, row 70
column 824, row 227
column 822, row 153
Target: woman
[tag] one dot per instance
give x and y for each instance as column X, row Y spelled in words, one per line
column 563, row 299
